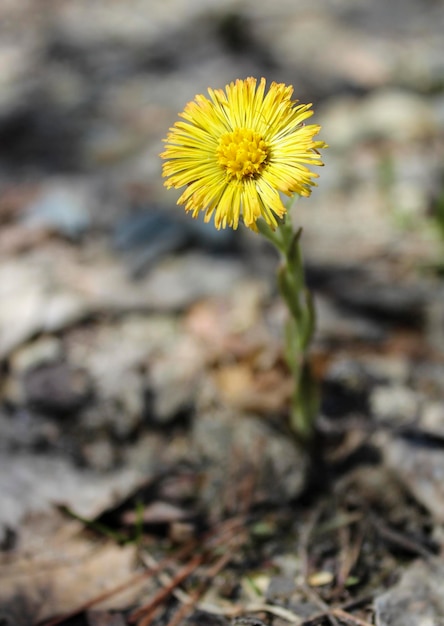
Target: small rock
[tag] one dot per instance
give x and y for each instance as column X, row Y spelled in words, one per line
column 289, row 565
column 395, row 403
column 64, row 207
column 201, row 618
column 435, row 321
column 42, row 350
column 339, row 323
column 174, row 377
column 391, row 368
column 154, row 450
column 429, row 376
column 25, row 430
column 432, row 419
column 417, row 600
column 420, row 467
column 16, row 62
column 99, row 455
column 233, row 446
column 111, row 145
column 56, row 388
column 401, row 301
column 156, row 365
column 280, row 589
column 384, row 114
column 398, row 115
column 346, row 388
column 31, row 483
column 32, row 301
column 110, row 415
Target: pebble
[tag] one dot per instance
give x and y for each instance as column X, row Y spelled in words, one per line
column 56, row 388
column 395, row 115
column 416, row 600
column 34, row 301
column 16, row 63
column 336, row 322
column 155, row 370
column 231, row 446
column 420, row 467
column 46, row 349
column 432, row 419
column 396, row 404
column 99, row 455
column 63, row 207
column 44, row 481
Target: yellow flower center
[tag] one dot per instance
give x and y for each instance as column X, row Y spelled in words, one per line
column 242, row 153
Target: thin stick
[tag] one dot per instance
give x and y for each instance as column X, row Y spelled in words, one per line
column 165, row 578
column 401, row 540
column 123, row 586
column 210, row 574
column 278, row 611
column 149, row 617
column 349, row 556
column 181, row 614
column 163, row 593
column 348, row 617
column 147, row 612
column 316, row 598
column 228, row 526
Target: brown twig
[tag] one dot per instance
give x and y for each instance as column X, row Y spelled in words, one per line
column 317, row 619
column 304, row 539
column 163, row 593
column 149, row 617
column 145, row 613
column 316, row 598
column 399, row 539
column 210, row 574
column 349, row 555
column 180, row 554
column 194, row 597
column 357, row 603
column 349, row 618
column 224, row 532
column 164, row 578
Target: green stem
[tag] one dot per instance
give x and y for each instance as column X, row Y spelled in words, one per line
column 300, row 327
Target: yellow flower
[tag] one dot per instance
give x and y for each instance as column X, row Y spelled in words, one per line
column 236, row 151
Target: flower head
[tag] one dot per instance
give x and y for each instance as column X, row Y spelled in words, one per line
column 236, row 151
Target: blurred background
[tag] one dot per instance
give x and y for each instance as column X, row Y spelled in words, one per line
column 88, row 90
column 114, row 303
column 134, row 341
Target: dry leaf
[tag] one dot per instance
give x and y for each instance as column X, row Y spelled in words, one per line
column 60, row 568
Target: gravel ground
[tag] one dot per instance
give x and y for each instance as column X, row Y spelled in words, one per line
column 140, row 351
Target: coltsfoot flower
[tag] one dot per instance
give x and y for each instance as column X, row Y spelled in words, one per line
column 238, row 150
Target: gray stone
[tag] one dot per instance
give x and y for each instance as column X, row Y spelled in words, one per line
column 390, row 114
column 393, row 368
column 396, row 404
column 43, row 350
column 335, row 322
column 56, row 388
column 64, row 206
column 421, row 469
column 417, row 600
column 432, row 419
column 32, row 301
column 31, row 483
column 231, row 446
column 27, row 430
column 99, row 455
